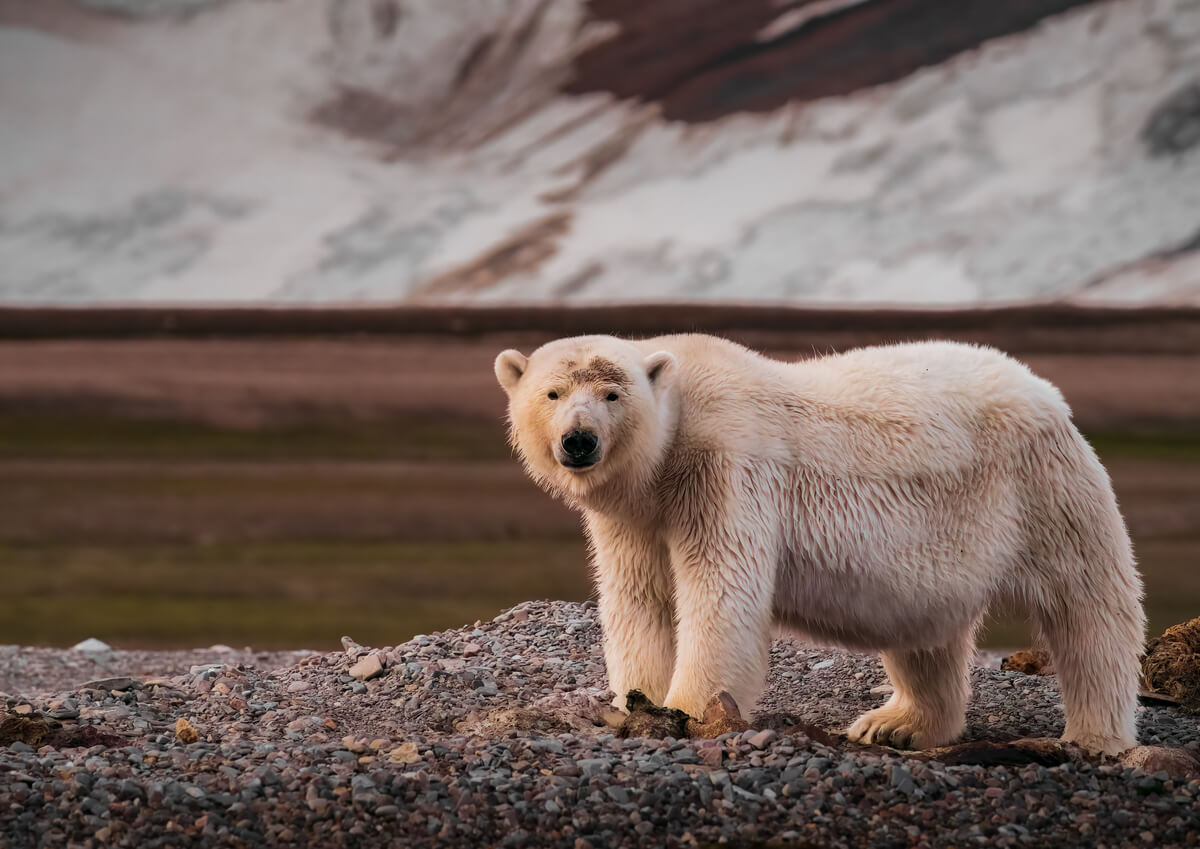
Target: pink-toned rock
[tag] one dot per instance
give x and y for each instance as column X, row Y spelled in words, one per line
column 764, row 738
column 1178, row 763
column 712, row 756
column 352, row 648
column 367, row 668
column 721, row 716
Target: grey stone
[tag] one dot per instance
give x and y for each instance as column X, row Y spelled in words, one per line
column 748, row 778
column 122, row 682
column 593, row 766
column 206, row 670
column 91, row 644
column 686, row 755
column 618, row 794
column 902, row 780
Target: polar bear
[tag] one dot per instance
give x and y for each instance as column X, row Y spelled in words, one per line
column 881, row 499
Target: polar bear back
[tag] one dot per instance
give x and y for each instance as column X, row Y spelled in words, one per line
column 894, row 410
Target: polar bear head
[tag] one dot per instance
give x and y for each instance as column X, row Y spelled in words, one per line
column 588, row 411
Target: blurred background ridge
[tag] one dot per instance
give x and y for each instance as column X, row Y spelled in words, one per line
column 483, row 151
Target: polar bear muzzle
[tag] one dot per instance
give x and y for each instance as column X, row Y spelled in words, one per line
column 581, row 449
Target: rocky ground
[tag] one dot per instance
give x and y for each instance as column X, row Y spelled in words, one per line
column 496, row 734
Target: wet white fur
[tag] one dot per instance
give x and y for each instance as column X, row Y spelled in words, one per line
column 880, row 499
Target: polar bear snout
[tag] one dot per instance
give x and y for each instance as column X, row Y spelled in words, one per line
column 580, row 449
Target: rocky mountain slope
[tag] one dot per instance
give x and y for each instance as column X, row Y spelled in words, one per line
column 812, row 151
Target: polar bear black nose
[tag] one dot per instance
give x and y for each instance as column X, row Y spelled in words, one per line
column 580, row 444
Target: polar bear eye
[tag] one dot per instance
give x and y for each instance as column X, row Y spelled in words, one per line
column 553, row 396
column 613, row 396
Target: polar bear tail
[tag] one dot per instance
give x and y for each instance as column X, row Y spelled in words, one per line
column 1086, row 593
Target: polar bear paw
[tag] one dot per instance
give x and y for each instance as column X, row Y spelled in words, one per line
column 897, row 726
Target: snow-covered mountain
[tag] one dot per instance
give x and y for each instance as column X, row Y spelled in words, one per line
column 484, row 151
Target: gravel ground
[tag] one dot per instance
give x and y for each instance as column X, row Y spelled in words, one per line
column 495, row 734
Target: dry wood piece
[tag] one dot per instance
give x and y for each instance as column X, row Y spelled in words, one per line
column 185, row 732
column 31, row 730
column 1030, row 662
column 1171, row 666
column 647, row 719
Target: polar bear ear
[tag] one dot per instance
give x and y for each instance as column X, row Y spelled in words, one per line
column 510, row 365
column 659, row 367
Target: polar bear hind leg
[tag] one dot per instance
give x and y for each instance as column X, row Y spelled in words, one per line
column 1094, row 629
column 1097, row 667
column 928, row 707
column 1085, row 600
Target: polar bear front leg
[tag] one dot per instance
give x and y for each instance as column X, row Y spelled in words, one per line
column 724, row 592
column 636, row 611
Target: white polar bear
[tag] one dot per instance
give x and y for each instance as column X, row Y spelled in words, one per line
column 880, row 499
